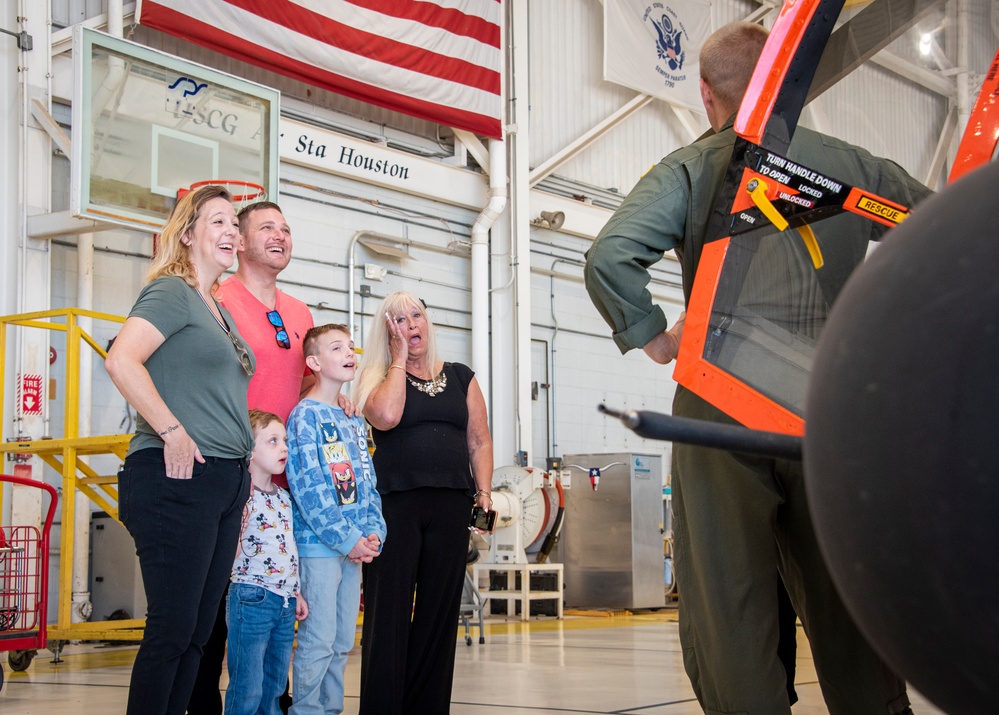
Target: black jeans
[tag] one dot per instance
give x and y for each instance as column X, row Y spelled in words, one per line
column 185, row 533
column 206, row 698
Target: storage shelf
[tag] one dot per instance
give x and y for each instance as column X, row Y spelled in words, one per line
column 524, row 594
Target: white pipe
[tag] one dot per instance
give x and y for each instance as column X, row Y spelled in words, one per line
column 116, row 18
column 350, row 282
column 351, row 266
column 82, row 607
column 520, row 168
column 963, row 89
column 480, row 263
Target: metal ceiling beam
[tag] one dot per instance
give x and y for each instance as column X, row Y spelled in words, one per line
column 943, row 148
column 863, row 36
column 51, row 127
column 475, row 147
column 689, row 122
column 927, row 78
column 585, row 140
column 63, row 223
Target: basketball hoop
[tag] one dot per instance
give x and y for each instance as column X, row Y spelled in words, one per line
column 243, row 193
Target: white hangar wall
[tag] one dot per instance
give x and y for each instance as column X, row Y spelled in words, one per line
column 574, row 362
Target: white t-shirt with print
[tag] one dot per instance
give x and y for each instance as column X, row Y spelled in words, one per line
column 268, row 555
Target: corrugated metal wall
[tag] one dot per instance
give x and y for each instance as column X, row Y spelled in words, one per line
column 875, row 108
column 576, row 365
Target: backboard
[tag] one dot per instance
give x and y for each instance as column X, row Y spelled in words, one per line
column 146, row 124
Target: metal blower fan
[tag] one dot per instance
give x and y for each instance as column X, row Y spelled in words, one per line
column 529, row 506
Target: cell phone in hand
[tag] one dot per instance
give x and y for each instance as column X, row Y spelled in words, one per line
column 482, row 520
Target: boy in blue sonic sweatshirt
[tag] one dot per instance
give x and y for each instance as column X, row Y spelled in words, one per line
column 337, row 520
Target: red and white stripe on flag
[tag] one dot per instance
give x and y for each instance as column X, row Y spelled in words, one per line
column 438, row 60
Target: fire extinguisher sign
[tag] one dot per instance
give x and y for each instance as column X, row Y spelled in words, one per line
column 29, row 394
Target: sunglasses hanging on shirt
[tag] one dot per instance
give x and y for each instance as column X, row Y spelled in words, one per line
column 281, row 334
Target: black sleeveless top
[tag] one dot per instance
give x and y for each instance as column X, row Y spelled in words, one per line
column 429, row 446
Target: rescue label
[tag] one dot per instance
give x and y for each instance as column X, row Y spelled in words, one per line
column 865, row 203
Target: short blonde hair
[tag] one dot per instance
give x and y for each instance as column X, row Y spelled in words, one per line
column 173, row 258
column 311, row 339
column 377, row 357
column 728, row 59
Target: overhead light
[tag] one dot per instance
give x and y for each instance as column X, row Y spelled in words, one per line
column 926, row 43
column 386, row 245
column 550, row 219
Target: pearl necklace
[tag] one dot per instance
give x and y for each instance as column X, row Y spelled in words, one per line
column 431, row 387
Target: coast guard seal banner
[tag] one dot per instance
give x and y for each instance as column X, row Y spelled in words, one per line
column 438, row 60
column 652, row 47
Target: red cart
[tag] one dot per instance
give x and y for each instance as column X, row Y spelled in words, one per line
column 24, row 577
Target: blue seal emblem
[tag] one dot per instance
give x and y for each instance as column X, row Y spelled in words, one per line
column 668, row 42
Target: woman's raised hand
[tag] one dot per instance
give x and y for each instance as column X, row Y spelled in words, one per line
column 398, row 346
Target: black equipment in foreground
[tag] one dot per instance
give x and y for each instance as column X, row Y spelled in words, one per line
column 733, row 438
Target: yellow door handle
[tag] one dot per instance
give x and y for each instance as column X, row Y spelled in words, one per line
column 757, row 189
column 812, row 244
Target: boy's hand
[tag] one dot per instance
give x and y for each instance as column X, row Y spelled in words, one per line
column 363, row 551
column 301, row 608
column 375, row 542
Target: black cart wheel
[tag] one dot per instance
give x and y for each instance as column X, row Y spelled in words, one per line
column 19, row 660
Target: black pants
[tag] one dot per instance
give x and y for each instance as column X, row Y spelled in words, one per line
column 206, row 698
column 407, row 648
column 739, row 522
column 185, row 533
column 787, row 638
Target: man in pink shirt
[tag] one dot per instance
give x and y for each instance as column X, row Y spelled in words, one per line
column 270, row 320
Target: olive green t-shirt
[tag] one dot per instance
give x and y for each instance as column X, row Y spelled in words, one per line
column 196, row 371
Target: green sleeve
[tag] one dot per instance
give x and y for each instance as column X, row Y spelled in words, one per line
column 650, row 222
column 164, row 303
column 896, row 184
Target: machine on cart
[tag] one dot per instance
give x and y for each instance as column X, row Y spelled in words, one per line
column 24, row 571
column 529, row 505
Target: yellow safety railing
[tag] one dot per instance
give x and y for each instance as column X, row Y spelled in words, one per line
column 64, row 455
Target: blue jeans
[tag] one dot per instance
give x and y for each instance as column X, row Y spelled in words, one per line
column 332, row 588
column 185, row 532
column 261, row 632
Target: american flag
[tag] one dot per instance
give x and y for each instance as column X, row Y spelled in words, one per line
column 438, row 60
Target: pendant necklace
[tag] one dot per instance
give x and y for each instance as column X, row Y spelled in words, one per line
column 431, row 387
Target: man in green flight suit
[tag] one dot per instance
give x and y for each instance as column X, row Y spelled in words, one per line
column 739, row 521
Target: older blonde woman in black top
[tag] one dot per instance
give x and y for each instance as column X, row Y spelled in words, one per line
column 434, row 460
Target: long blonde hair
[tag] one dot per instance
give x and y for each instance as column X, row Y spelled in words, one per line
column 377, row 357
column 172, row 257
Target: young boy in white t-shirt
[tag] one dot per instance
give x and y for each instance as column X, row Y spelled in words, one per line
column 265, row 596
